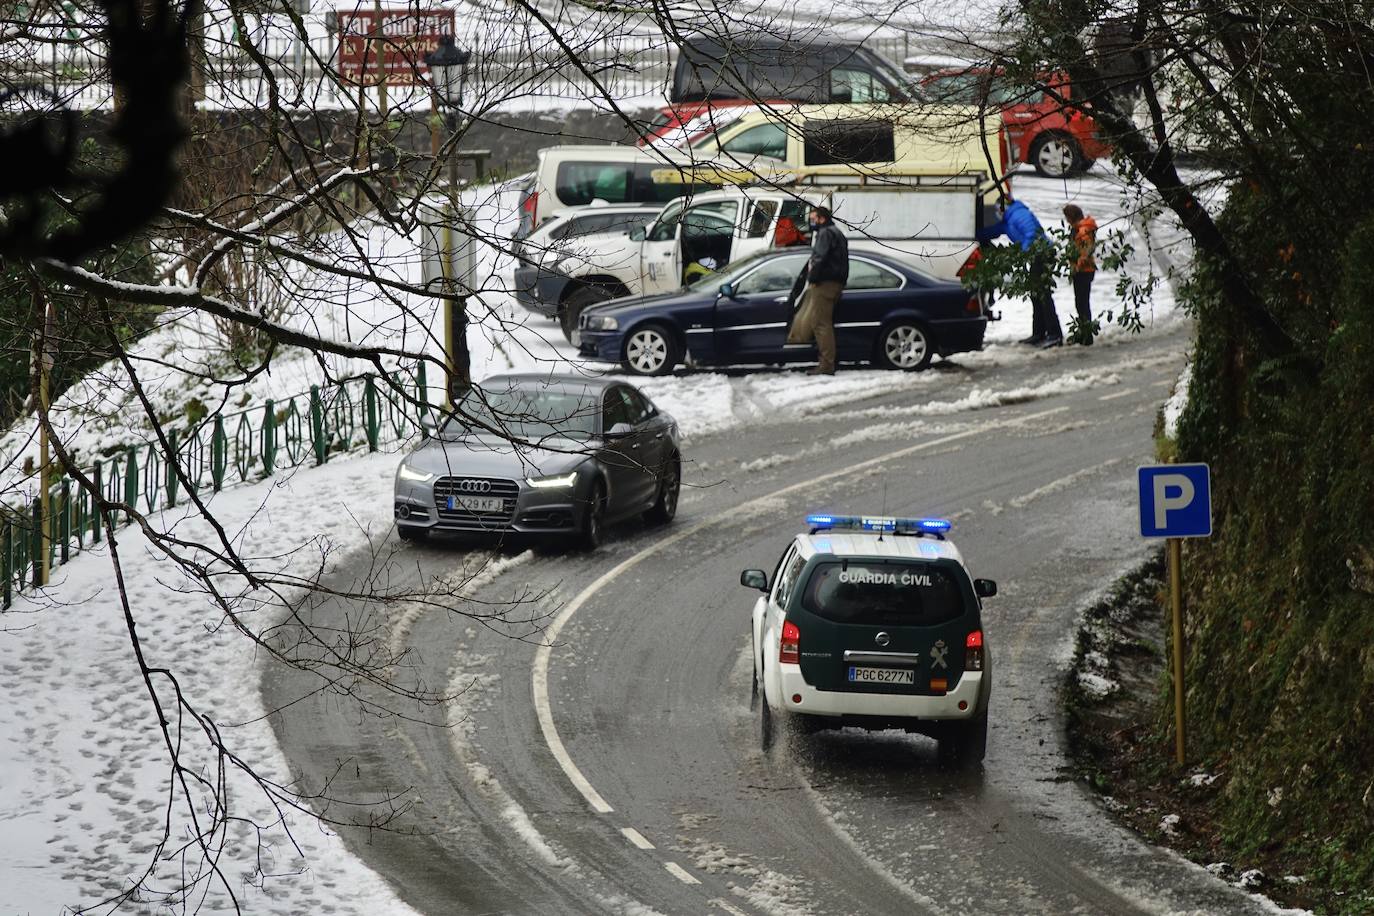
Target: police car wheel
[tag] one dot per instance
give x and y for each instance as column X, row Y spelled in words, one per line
column 904, row 345
column 768, row 730
column 651, row 350
column 669, row 484
column 965, row 744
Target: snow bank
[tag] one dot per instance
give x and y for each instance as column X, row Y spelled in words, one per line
column 83, row 771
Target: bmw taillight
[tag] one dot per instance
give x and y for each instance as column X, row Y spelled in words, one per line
column 973, row 651
column 789, row 650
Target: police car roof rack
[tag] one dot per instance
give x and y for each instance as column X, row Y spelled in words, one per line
column 879, row 524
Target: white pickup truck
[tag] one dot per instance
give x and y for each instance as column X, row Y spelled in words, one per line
column 930, row 221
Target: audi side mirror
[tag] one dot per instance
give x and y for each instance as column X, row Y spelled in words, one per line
column 754, row 578
column 637, row 233
column 985, row 588
column 620, row 431
column 727, row 290
column 429, row 427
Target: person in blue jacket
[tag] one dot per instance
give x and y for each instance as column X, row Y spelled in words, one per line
column 1019, row 224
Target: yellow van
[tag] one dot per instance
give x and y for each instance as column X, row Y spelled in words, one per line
column 816, row 141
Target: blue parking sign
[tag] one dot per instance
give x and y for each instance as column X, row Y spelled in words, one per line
column 1175, row 501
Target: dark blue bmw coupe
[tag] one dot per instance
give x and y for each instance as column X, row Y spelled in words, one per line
column 890, row 314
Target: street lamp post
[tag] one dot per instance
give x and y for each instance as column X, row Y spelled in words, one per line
column 448, row 72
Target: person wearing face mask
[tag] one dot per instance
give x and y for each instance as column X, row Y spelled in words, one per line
column 826, row 272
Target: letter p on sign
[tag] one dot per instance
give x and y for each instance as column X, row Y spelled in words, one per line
column 1175, row 501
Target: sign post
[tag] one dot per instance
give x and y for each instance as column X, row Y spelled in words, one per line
column 1176, row 503
column 387, row 45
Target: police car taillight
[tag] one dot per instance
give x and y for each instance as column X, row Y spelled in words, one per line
column 973, row 651
column 789, row 650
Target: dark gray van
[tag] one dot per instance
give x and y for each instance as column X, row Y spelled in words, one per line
column 811, row 70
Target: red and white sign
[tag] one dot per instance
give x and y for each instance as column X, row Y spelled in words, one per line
column 406, row 34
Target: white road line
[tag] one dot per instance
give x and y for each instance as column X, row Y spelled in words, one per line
column 634, row 836
column 1120, row 394
column 1062, row 483
column 544, row 711
column 680, row 873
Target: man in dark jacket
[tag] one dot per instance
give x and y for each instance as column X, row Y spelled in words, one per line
column 826, row 272
column 1019, row 224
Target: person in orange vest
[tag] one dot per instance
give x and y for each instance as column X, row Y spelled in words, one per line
column 786, row 234
column 1084, row 229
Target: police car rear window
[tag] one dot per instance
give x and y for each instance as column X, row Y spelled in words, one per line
column 883, row 594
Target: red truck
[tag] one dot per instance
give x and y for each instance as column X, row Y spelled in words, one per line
column 1055, row 138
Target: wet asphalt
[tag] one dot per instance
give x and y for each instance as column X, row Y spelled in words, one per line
column 649, row 682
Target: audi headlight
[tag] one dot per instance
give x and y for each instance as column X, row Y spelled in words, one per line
column 553, row 481
column 414, row 474
column 602, row 323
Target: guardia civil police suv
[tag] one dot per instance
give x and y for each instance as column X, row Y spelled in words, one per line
column 873, row 622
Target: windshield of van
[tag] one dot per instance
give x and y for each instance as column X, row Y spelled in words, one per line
column 878, row 593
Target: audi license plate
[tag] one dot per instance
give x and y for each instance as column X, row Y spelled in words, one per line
column 476, row 503
column 881, row 675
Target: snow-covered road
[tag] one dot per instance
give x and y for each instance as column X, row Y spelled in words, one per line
column 84, row 781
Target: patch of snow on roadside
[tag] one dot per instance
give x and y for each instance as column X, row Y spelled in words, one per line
column 1173, row 408
column 83, row 772
column 1095, row 684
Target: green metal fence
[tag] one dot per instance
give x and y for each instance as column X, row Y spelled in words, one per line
column 219, row 451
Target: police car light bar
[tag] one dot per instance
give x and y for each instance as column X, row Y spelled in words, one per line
column 936, row 526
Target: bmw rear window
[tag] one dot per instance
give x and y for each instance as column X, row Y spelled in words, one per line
column 879, row 593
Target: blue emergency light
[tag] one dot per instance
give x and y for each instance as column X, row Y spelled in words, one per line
column 935, row 526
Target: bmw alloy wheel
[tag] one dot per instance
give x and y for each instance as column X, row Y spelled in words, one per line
column 647, row 351
column 905, row 347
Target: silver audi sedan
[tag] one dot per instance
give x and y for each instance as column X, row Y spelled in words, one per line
column 542, row 455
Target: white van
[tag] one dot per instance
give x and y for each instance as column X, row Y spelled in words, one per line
column 838, row 142
column 928, row 221
column 573, row 176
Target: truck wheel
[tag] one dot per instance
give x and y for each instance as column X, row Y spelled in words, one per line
column 904, row 345
column 650, row 349
column 577, row 303
column 1055, row 155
